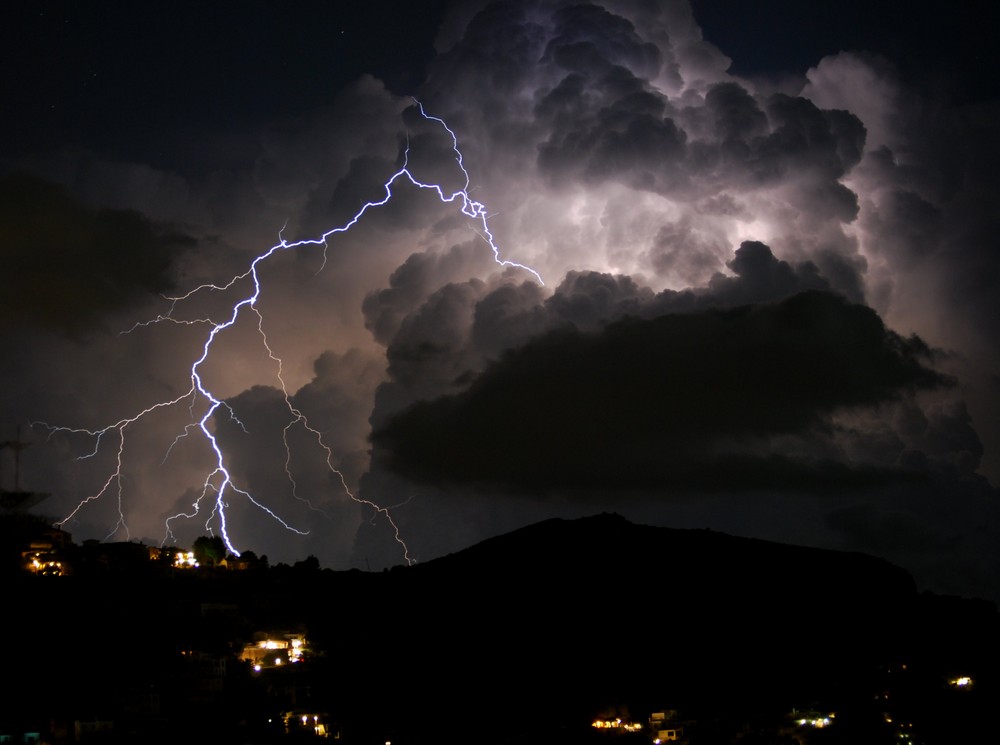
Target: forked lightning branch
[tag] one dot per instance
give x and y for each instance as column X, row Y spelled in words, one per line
column 219, row 487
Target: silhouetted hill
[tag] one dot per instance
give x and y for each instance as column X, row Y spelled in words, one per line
column 575, row 615
column 526, row 637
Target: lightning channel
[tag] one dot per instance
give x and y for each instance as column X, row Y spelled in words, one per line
column 219, row 486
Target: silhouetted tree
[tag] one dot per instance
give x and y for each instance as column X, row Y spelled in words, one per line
column 253, row 561
column 310, row 563
column 209, row 550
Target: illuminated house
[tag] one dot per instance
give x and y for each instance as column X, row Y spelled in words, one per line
column 45, row 563
column 45, row 552
column 615, row 725
column 663, row 726
column 185, row 560
column 960, row 683
column 174, row 557
column 666, row 726
column 274, row 650
column 307, row 723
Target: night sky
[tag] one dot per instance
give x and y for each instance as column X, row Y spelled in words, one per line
column 766, row 232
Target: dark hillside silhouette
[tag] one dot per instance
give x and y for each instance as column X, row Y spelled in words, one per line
column 524, row 637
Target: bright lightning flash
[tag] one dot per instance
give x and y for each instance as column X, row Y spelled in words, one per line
column 219, row 486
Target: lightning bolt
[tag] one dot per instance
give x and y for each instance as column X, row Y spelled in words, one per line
column 218, row 486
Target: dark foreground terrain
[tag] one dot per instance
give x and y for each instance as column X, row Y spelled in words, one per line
column 524, row 638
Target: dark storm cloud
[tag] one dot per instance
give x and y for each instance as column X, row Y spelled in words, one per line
column 761, row 277
column 909, row 224
column 506, row 317
column 429, row 155
column 677, row 249
column 694, row 229
column 442, row 343
column 734, row 115
column 628, row 139
column 429, row 356
column 259, row 421
column 616, row 127
column 588, row 301
column 659, row 402
column 409, row 286
column 807, row 138
column 932, row 207
column 66, row 264
column 591, row 40
column 363, row 182
column 296, row 454
column 944, row 529
column 336, row 402
column 433, row 336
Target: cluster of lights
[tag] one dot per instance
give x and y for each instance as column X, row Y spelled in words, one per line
column 818, row 722
column 40, row 565
column 961, row 682
column 319, row 728
column 616, row 724
column 185, row 560
column 257, row 653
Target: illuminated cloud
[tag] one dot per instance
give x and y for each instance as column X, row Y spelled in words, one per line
column 768, row 307
column 666, row 195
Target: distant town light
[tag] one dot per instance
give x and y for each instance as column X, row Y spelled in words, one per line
column 616, row 724
column 812, row 719
column 40, row 564
column 185, row 560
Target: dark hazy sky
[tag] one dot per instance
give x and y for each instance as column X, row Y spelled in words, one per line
column 766, row 231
